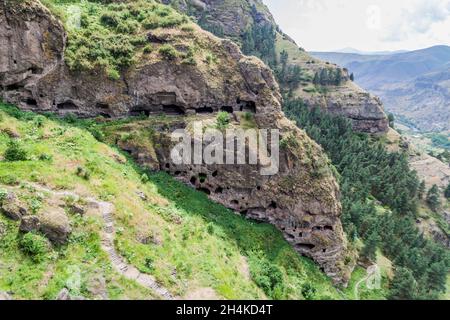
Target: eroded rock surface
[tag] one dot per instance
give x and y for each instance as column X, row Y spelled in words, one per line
column 237, row 19
column 302, row 200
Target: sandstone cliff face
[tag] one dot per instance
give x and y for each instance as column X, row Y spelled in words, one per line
column 232, row 18
column 302, row 200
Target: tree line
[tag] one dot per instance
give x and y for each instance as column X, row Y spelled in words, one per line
column 371, row 178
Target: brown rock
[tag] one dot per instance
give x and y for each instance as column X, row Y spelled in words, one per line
column 12, row 207
column 302, row 200
column 54, row 224
column 29, row 224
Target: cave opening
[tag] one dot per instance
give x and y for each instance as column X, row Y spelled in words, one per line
column 204, row 110
column 173, row 110
column 67, row 105
column 31, row 102
column 305, row 246
column 227, row 109
column 204, row 190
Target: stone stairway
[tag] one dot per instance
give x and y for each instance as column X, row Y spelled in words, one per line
column 107, row 242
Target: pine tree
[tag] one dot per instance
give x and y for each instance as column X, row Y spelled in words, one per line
column 433, row 198
column 370, row 247
column 403, row 286
column 421, row 190
column 352, row 77
column 447, row 192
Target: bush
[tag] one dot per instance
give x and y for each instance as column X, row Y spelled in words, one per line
column 308, row 291
column 39, row 121
column 3, row 195
column 14, row 152
column 34, row 245
column 223, row 119
column 268, row 277
column 168, row 52
column 148, row 49
column 83, row 173
column 45, row 157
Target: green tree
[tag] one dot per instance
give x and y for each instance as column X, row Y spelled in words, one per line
column 391, row 120
column 14, row 152
column 421, row 190
column 447, row 192
column 403, row 286
column 370, row 246
column 433, row 198
column 352, row 77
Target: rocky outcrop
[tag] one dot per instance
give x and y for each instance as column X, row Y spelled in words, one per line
column 53, row 222
column 233, row 19
column 302, row 200
column 12, row 207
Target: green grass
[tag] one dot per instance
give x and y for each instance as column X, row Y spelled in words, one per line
column 110, row 37
column 194, row 242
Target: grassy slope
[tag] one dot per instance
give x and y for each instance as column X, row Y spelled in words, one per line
column 206, row 244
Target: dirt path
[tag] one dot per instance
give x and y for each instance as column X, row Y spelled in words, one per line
column 370, row 272
column 106, row 210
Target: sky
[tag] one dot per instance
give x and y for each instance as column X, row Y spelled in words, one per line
column 366, row 25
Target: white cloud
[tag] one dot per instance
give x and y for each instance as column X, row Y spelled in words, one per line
column 364, row 24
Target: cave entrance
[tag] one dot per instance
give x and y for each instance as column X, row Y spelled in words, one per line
column 173, row 110
column 67, row 105
column 204, row 110
column 227, row 109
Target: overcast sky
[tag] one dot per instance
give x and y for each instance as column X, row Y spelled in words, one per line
column 367, row 25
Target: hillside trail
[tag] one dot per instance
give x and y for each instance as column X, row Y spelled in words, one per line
column 372, row 270
column 106, row 210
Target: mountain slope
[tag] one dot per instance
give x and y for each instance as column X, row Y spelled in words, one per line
column 144, row 58
column 251, row 23
column 190, row 245
column 413, row 85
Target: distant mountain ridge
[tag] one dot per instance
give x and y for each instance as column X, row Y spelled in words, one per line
column 413, row 84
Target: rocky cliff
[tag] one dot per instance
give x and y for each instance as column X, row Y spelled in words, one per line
column 239, row 18
column 186, row 74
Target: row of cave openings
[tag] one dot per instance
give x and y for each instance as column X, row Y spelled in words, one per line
column 304, row 246
column 173, row 109
column 202, row 179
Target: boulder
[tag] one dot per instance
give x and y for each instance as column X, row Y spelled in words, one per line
column 29, row 224
column 55, row 225
column 97, row 287
column 12, row 207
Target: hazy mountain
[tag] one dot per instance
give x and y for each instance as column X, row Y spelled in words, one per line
column 356, row 51
column 412, row 84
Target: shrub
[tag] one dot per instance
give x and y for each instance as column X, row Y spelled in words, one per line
column 148, row 48
column 223, row 119
column 248, row 116
column 308, row 291
column 3, row 195
column 113, row 74
column 39, row 121
column 45, row 157
column 14, row 152
column 83, row 173
column 168, row 52
column 268, row 277
column 34, row 245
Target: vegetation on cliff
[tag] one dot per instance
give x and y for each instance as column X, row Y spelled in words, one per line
column 113, row 36
column 192, row 244
column 369, row 174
